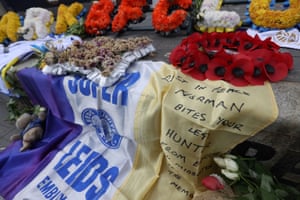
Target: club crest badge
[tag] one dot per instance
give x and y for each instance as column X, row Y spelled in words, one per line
column 104, row 126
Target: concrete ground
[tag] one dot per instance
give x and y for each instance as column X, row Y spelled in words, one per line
column 283, row 135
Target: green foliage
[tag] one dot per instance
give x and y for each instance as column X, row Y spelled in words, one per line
column 196, row 8
column 257, row 183
column 77, row 29
column 18, row 106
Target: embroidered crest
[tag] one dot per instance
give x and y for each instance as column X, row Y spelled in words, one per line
column 104, row 126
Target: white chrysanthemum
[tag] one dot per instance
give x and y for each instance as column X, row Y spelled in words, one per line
column 226, row 19
column 208, row 5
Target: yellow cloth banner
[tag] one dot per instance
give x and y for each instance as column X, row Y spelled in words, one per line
column 182, row 123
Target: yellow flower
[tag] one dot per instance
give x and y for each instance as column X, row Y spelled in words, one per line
column 9, row 25
column 261, row 14
column 61, row 24
column 73, row 11
column 66, row 16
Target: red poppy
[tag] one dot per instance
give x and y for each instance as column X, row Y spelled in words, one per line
column 229, row 40
column 227, row 57
column 200, row 66
column 276, row 72
column 192, row 47
column 269, row 44
column 259, row 58
column 196, row 39
column 216, row 69
column 189, row 64
column 258, row 77
column 192, row 38
column 215, row 41
column 248, row 43
column 240, row 70
column 212, row 183
column 191, row 61
column 276, row 68
column 288, row 59
column 178, row 56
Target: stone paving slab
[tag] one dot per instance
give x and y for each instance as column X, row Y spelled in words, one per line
column 283, row 134
column 7, row 128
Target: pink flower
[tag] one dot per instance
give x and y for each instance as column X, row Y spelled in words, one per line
column 213, row 182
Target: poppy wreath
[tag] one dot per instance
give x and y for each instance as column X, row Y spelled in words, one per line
column 129, row 11
column 234, row 57
column 169, row 15
column 262, row 14
column 211, row 19
column 98, row 19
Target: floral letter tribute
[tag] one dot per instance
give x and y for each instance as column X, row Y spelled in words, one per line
column 128, row 11
column 165, row 22
column 101, row 16
column 211, row 19
column 261, row 14
column 234, row 57
column 37, row 23
column 98, row 19
column 66, row 16
column 9, row 25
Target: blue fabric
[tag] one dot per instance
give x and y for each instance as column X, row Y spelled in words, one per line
column 18, row 168
column 34, row 123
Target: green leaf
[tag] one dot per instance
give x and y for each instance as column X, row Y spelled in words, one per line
column 268, row 195
column 260, row 169
column 243, row 166
column 249, row 196
column 281, row 193
column 241, row 198
column 250, row 189
column 240, row 188
column 266, row 182
column 291, row 190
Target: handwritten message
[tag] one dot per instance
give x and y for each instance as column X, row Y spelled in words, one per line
column 195, row 114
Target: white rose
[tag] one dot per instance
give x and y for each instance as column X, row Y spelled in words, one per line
column 231, row 165
column 231, row 175
column 220, row 162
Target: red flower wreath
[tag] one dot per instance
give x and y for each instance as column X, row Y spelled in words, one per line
column 128, row 11
column 99, row 17
column 234, row 57
column 162, row 21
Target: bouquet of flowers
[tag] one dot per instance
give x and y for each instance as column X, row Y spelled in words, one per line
column 249, row 180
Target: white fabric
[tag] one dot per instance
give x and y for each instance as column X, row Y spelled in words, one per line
column 20, row 48
column 283, row 38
